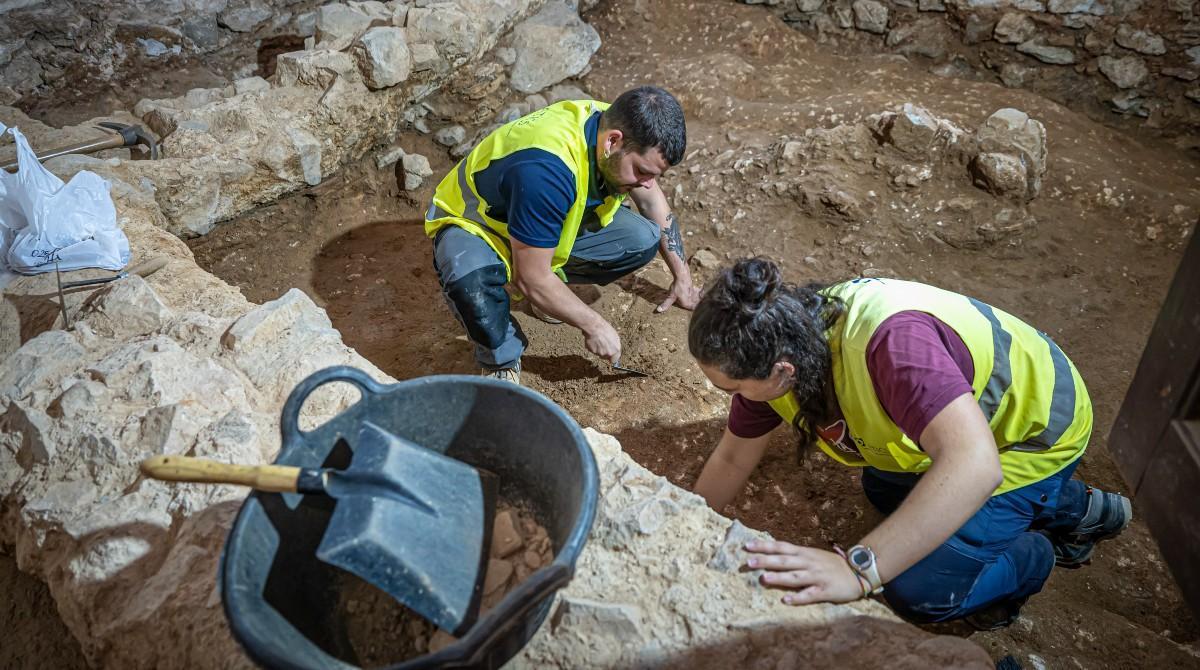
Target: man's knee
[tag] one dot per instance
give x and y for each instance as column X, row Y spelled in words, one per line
column 645, row 237
column 482, row 304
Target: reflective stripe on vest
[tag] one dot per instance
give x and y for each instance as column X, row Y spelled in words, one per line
column 558, row 129
column 1039, row 427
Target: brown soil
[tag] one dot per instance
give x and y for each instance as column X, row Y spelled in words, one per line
column 1089, row 273
column 28, row 615
column 383, row 632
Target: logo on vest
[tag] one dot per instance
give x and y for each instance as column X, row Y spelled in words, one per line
column 838, row 436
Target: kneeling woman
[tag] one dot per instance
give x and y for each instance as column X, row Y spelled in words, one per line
column 968, row 424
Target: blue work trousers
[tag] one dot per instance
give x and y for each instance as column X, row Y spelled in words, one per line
column 473, row 278
column 997, row 556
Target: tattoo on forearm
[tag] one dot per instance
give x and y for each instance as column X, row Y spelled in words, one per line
column 673, row 238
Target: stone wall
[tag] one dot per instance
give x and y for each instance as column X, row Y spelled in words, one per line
column 1138, row 58
column 65, row 43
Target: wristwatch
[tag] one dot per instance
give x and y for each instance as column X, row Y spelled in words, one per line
column 862, row 559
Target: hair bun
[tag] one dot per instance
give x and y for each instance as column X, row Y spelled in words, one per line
column 754, row 282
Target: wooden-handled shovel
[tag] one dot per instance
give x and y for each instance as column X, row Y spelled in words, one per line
column 409, row 520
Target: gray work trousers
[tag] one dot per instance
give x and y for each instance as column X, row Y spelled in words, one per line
column 473, row 278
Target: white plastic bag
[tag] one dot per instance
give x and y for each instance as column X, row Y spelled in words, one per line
column 43, row 220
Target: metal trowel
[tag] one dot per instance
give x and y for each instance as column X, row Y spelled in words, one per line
column 408, row 520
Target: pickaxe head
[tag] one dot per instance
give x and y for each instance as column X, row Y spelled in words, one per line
column 133, row 136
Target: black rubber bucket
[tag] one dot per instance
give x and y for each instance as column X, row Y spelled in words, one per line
column 280, row 600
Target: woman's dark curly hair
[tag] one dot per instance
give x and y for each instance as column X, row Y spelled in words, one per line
column 749, row 319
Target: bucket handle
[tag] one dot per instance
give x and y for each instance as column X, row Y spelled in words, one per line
column 290, row 420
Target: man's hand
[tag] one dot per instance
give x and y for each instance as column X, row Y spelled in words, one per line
column 816, row 575
column 602, row 339
column 683, row 293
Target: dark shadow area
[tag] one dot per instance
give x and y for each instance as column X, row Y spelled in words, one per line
column 643, row 289
column 269, row 49
column 853, row 642
column 28, row 613
column 572, row 366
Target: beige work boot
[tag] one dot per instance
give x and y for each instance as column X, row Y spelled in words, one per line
column 512, row 374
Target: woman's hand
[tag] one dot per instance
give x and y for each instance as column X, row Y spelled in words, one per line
column 816, row 575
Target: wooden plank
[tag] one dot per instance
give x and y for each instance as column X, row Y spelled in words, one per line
column 1167, row 502
column 1162, row 382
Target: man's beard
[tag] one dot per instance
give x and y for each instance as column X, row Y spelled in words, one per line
column 608, row 166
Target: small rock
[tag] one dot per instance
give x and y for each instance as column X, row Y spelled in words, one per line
column 153, row 47
column 506, row 539
column 532, row 560
column 389, row 157
column 536, row 101
column 416, row 164
column 1141, row 41
column 450, row 136
column 424, row 57
column 618, row 621
column 730, row 556
column 506, row 55
column 1000, row 174
column 245, row 18
column 1047, row 54
column 1076, row 7
column 1125, row 72
column 498, row 574
column 251, row 85
column 870, row 16
column 510, row 113
column 440, row 640
column 706, row 260
column 1014, row 28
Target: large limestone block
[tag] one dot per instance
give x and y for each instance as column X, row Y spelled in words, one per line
column 383, row 57
column 550, row 46
column 339, row 25
column 658, row 585
column 314, row 68
column 125, row 308
column 38, row 360
column 455, row 34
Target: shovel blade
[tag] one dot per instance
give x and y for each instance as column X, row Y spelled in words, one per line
column 413, row 523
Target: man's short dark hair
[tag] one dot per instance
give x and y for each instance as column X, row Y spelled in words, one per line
column 649, row 117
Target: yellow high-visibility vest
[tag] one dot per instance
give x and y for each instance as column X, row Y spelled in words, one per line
column 557, row 129
column 1032, row 396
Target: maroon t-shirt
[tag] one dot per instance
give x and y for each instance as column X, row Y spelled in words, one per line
column 917, row 363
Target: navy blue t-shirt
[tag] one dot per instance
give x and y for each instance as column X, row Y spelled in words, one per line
column 532, row 190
